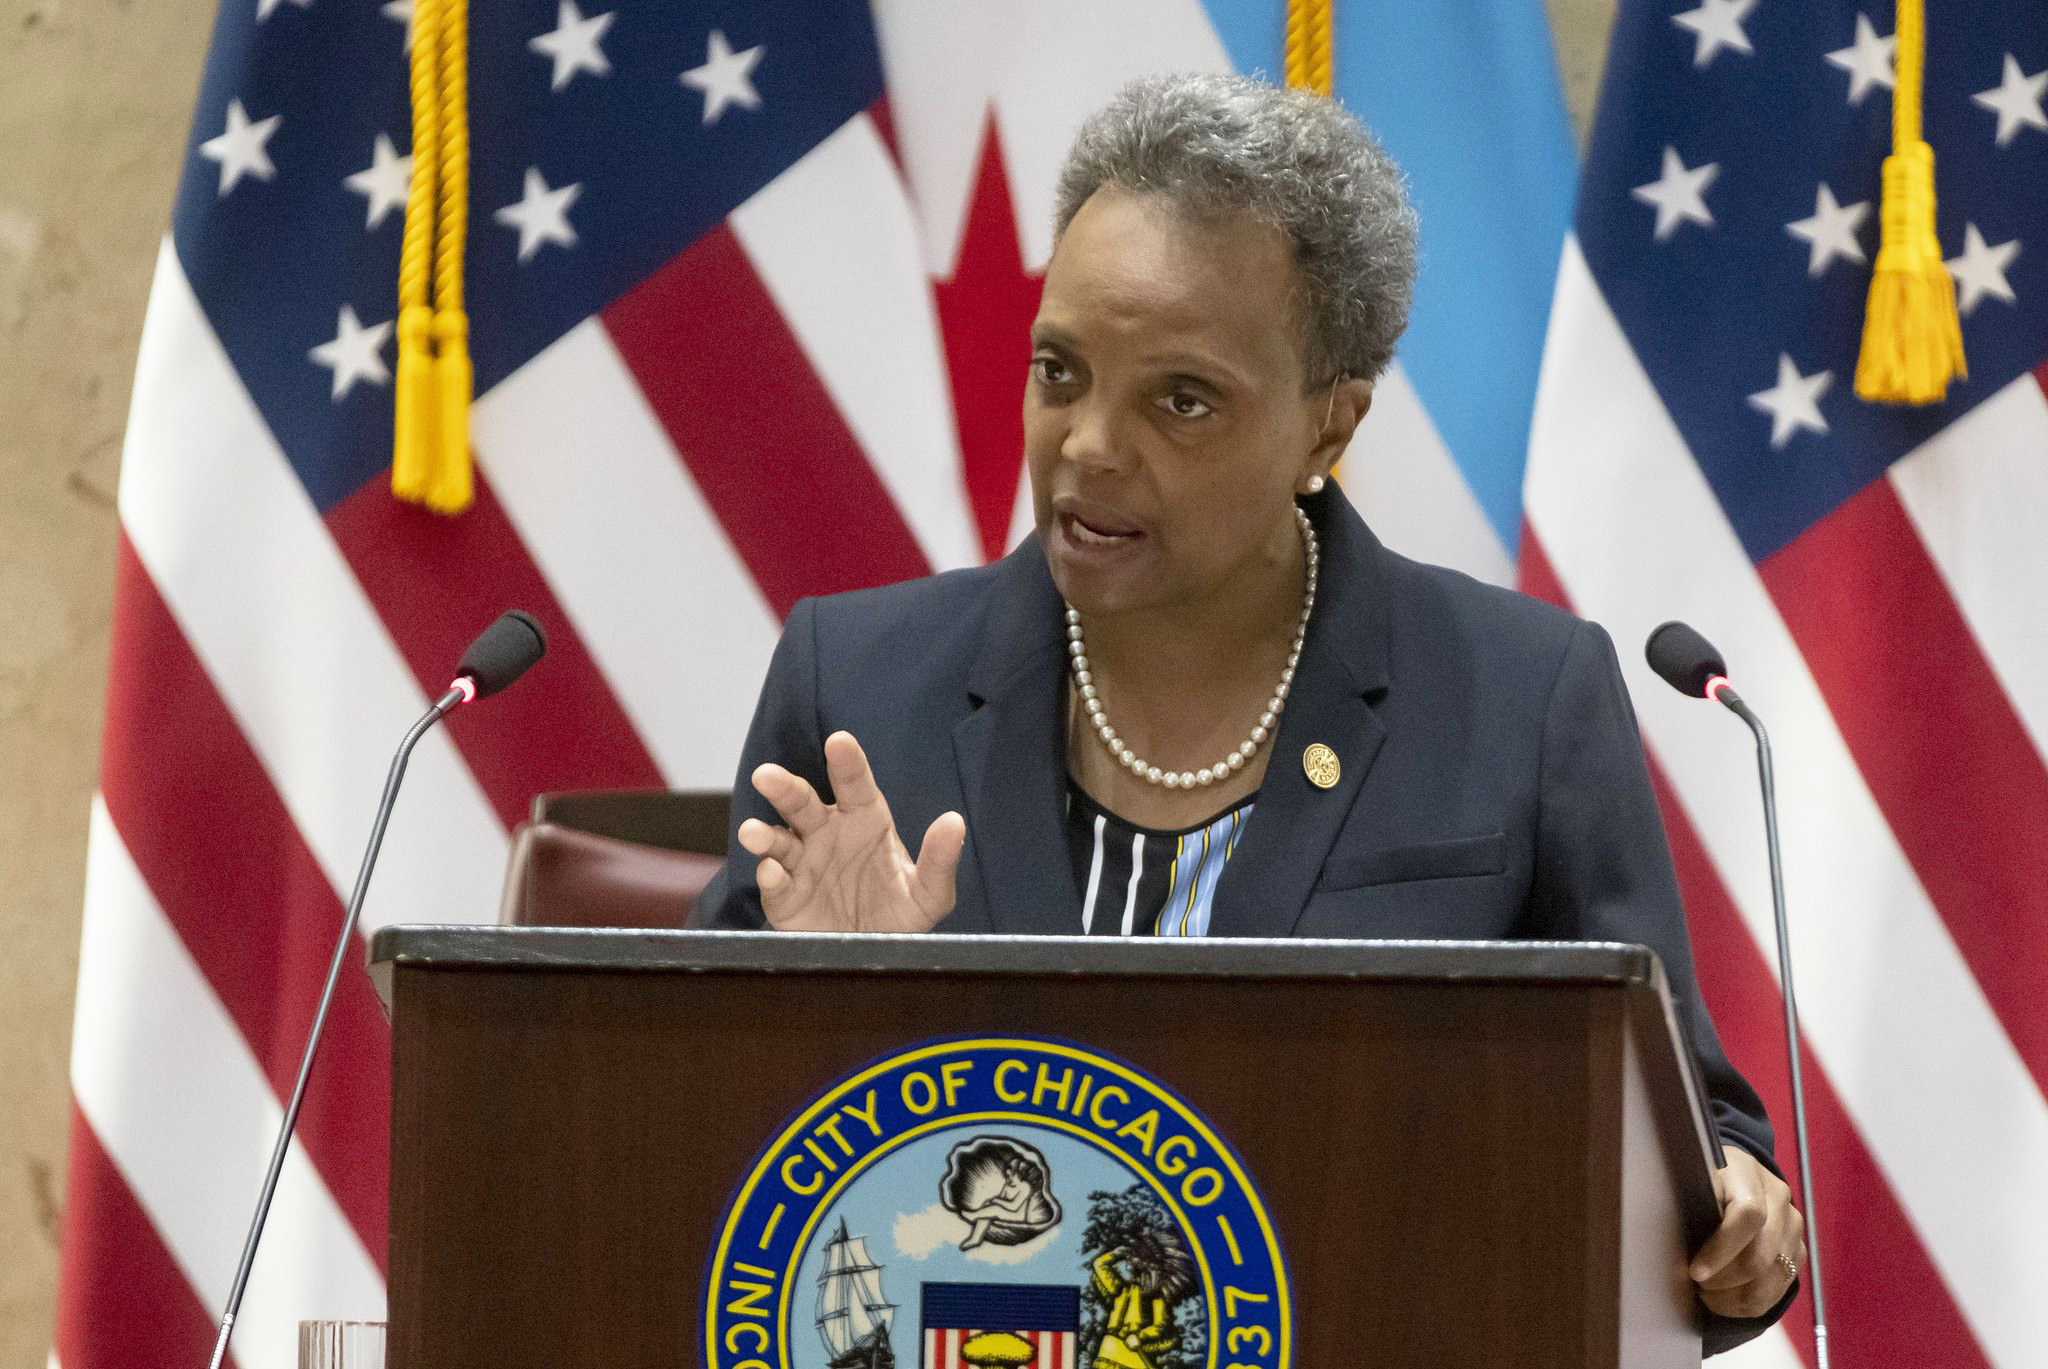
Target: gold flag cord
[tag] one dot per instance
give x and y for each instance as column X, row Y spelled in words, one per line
column 1912, row 339
column 430, row 459
column 1310, row 27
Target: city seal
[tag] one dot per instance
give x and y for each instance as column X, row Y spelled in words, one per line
column 997, row 1201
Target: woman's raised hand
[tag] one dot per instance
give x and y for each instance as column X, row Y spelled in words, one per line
column 840, row 867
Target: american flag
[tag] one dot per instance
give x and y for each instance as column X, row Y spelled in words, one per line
column 1045, row 1316
column 1876, row 578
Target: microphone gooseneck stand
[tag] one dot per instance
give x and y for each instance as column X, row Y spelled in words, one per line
column 1723, row 693
column 461, row 692
column 1690, row 664
column 501, row 653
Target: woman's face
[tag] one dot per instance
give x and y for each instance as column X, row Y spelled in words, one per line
column 1167, row 421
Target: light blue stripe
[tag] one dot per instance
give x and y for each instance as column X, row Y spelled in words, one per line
column 1187, row 907
column 1193, row 895
column 1162, row 924
column 1254, row 33
column 1465, row 95
column 1216, row 851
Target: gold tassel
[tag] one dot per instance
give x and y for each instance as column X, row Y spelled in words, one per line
column 1912, row 339
column 451, row 485
column 414, row 434
column 413, row 437
column 430, row 455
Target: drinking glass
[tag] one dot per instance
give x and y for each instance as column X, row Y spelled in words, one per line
column 341, row 1345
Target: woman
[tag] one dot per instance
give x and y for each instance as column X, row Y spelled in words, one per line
column 1204, row 699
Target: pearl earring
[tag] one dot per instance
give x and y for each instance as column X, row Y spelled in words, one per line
column 1315, row 484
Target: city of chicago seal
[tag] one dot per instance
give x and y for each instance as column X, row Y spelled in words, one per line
column 1018, row 1202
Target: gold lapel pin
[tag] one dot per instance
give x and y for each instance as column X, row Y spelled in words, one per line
column 1319, row 762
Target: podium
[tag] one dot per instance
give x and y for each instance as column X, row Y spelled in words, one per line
column 771, row 1151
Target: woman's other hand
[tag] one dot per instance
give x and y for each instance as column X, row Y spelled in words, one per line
column 1746, row 1266
column 840, row 867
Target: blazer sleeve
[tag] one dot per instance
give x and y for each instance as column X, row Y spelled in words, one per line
column 1603, row 872
column 786, row 730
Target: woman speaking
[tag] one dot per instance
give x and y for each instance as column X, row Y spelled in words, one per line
column 1204, row 700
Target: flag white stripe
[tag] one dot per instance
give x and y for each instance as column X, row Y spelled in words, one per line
column 1094, row 878
column 1772, row 1350
column 271, row 609
column 1041, row 69
column 1977, row 493
column 1409, row 489
column 1058, row 62
column 1137, row 870
column 188, row 1118
column 851, row 285
column 1942, row 1099
column 1023, row 514
column 590, row 480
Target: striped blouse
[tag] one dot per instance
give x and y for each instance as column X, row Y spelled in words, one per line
column 1138, row 881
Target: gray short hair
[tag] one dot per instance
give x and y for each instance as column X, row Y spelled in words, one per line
column 1221, row 144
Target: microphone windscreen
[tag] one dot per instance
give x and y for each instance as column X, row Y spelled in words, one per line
column 503, row 652
column 1683, row 658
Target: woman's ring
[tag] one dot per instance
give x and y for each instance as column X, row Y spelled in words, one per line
column 1791, row 1269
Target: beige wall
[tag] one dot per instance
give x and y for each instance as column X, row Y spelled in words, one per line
column 94, row 99
column 1581, row 29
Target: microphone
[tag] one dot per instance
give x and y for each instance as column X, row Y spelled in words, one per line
column 501, row 654
column 1686, row 661
column 504, row 652
column 1689, row 663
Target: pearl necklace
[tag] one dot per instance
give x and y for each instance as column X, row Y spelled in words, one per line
column 1077, row 648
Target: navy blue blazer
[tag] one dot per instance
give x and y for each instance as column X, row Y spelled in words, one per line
column 1493, row 780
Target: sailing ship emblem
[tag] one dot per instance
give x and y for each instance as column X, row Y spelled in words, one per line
column 853, row 1313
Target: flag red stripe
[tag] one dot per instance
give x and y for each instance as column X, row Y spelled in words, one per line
column 761, row 437
column 1912, row 693
column 234, row 878
column 885, row 128
column 1887, row 1300
column 436, row 582
column 121, row 1299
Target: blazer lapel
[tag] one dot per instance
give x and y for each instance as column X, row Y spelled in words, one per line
column 1343, row 674
column 1012, row 756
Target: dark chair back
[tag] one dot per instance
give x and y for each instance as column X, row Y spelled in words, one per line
column 614, row 858
column 675, row 820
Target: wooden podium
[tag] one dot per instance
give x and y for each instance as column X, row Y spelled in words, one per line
column 1468, row 1154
